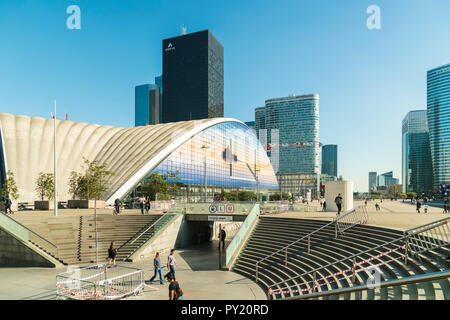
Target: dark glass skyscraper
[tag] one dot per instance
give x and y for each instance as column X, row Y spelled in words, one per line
column 329, row 160
column 193, row 77
column 438, row 116
column 147, row 104
column 416, row 156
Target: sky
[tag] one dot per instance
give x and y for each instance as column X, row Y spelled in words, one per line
column 367, row 80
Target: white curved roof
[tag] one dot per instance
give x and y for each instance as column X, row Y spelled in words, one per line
column 129, row 152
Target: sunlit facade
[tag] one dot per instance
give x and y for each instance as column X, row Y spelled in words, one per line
column 232, row 155
column 438, row 114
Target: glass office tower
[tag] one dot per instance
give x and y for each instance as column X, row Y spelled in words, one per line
column 288, row 128
column 329, row 160
column 147, row 105
column 193, row 77
column 297, row 120
column 416, row 156
column 438, row 115
column 372, row 181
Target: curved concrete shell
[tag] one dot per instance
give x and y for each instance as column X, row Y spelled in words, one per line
column 131, row 153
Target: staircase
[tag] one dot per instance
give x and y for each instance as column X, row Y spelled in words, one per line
column 274, row 233
column 75, row 236
column 143, row 235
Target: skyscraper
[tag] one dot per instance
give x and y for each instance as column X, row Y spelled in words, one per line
column 147, row 104
column 416, row 156
column 372, row 180
column 329, row 160
column 289, row 129
column 386, row 179
column 193, row 77
column 438, row 115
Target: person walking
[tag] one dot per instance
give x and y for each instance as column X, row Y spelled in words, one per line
column 324, row 207
column 8, row 204
column 175, row 292
column 157, row 265
column 117, row 204
column 147, row 204
column 445, row 205
column 141, row 203
column 222, row 237
column 338, row 201
column 171, row 263
column 112, row 252
column 426, row 208
column 418, row 206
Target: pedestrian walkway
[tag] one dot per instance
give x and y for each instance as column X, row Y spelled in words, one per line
column 197, row 273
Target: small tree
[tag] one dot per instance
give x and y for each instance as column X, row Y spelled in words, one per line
column 92, row 184
column 9, row 187
column 45, row 186
column 161, row 184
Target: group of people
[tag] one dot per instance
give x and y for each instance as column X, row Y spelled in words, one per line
column 144, row 204
column 175, row 292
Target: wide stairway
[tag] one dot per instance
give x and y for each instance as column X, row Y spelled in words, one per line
column 75, row 236
column 274, row 233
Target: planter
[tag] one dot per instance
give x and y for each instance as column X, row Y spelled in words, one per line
column 85, row 204
column 44, row 205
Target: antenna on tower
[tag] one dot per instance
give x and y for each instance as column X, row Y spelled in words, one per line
column 183, row 30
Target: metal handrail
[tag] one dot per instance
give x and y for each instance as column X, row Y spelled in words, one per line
column 336, row 219
column 390, row 283
column 412, row 230
column 29, row 230
column 404, row 237
column 341, row 260
column 149, row 227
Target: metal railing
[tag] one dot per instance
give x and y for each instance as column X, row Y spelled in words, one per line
column 27, row 234
column 349, row 221
column 151, row 226
column 428, row 237
column 98, row 282
column 429, row 277
column 402, row 242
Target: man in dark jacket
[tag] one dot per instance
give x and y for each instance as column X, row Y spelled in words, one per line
column 8, row 204
column 338, row 201
column 222, row 237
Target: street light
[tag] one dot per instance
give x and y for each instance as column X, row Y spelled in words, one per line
column 55, row 204
column 204, row 167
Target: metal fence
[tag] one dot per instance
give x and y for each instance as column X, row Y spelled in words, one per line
column 357, row 216
column 98, row 282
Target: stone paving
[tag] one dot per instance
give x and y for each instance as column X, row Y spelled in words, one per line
column 197, row 266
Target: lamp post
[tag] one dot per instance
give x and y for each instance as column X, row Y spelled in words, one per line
column 55, row 204
column 204, row 147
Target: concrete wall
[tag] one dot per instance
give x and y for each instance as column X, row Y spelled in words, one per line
column 333, row 188
column 17, row 253
column 162, row 242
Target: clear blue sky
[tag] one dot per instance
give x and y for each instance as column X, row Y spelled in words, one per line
column 367, row 80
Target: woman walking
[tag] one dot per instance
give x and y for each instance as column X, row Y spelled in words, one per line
column 112, row 252
column 147, row 204
column 157, row 265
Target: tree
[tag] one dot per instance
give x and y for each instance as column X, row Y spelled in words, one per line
column 45, row 186
column 92, row 184
column 161, row 184
column 9, row 187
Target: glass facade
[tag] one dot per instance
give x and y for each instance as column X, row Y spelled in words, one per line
column 193, row 77
column 297, row 120
column 329, row 160
column 148, row 105
column 372, row 180
column 438, row 115
column 386, row 179
column 232, row 155
column 416, row 156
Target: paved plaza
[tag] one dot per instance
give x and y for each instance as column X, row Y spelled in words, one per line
column 197, row 265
